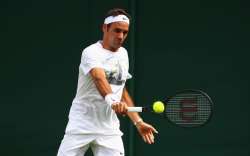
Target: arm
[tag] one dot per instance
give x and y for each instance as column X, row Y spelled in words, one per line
column 104, row 88
column 100, row 81
column 145, row 130
column 102, row 85
column 134, row 116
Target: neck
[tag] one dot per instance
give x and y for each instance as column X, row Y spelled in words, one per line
column 105, row 45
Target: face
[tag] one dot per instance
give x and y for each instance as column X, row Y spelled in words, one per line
column 115, row 34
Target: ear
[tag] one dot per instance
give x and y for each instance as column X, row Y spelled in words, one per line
column 104, row 28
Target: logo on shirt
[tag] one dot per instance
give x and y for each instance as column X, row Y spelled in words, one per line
column 115, row 75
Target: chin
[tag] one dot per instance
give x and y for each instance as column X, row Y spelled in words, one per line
column 117, row 46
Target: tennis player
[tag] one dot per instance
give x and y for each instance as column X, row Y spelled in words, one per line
column 101, row 95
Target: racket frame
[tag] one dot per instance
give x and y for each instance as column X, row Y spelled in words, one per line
column 183, row 91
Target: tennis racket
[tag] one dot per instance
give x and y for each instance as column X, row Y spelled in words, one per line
column 187, row 108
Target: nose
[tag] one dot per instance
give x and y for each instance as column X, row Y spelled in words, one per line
column 120, row 35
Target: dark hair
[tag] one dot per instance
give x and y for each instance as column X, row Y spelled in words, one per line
column 117, row 11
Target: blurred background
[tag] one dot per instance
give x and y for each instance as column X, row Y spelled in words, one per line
column 173, row 45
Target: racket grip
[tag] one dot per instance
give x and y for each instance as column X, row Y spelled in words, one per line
column 134, row 109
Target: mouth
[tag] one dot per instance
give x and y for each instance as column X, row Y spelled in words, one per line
column 118, row 42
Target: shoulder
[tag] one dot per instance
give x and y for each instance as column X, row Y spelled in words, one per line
column 91, row 50
column 123, row 52
column 93, row 47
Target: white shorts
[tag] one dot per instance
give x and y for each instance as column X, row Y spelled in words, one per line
column 77, row 145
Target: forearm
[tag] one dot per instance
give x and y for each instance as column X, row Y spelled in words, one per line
column 145, row 130
column 134, row 116
column 99, row 77
column 101, row 82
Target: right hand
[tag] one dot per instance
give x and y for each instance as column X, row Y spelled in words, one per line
column 120, row 108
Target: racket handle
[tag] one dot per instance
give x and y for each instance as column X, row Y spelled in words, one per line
column 134, row 109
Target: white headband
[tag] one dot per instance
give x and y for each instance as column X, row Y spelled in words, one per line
column 119, row 18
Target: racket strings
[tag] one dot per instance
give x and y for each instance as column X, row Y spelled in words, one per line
column 189, row 109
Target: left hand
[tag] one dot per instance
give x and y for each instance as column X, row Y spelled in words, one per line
column 146, row 131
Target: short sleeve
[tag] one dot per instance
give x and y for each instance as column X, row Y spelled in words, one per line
column 129, row 76
column 89, row 61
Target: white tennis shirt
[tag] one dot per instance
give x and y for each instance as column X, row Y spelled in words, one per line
column 89, row 113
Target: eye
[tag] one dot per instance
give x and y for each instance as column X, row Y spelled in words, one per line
column 125, row 32
column 117, row 30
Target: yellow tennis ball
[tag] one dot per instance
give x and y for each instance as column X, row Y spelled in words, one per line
column 158, row 107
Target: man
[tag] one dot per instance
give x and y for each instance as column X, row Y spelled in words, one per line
column 101, row 94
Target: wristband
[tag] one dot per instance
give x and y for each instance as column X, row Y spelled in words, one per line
column 111, row 98
column 138, row 121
